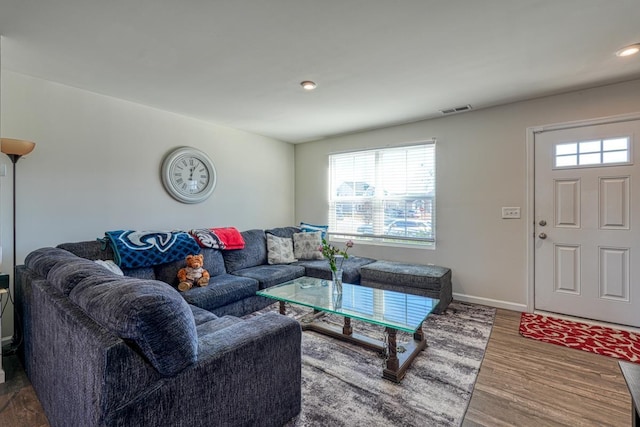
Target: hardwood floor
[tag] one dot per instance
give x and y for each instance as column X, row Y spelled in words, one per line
column 522, row 382
column 19, row 406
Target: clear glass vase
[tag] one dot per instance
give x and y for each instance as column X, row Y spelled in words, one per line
column 336, row 277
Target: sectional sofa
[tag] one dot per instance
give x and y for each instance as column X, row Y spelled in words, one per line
column 107, row 350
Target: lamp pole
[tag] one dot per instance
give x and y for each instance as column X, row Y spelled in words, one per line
column 14, row 149
column 14, row 159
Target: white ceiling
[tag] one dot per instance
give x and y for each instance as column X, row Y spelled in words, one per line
column 377, row 63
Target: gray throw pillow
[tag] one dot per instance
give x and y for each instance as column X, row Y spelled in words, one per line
column 279, row 250
column 307, row 245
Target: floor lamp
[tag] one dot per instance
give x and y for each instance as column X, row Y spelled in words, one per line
column 15, row 148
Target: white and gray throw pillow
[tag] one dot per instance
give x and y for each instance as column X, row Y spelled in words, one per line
column 308, row 245
column 279, row 250
column 110, row 265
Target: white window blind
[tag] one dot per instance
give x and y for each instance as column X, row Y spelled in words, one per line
column 386, row 195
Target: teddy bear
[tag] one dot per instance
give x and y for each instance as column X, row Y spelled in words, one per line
column 193, row 273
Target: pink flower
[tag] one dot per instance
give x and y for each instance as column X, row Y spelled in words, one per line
column 331, row 253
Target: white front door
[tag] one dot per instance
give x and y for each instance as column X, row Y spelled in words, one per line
column 587, row 222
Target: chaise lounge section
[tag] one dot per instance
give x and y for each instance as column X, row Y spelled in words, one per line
column 427, row 280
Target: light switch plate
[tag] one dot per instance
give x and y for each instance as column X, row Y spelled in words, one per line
column 511, row 212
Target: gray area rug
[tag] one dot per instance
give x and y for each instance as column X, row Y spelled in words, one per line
column 342, row 383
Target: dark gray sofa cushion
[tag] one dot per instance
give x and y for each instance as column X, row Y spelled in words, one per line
column 254, row 252
column 213, row 263
column 168, row 273
column 215, row 325
column 207, row 322
column 200, row 315
column 42, row 260
column 428, row 280
column 147, row 273
column 287, row 232
column 350, row 268
column 64, row 276
column 221, row 290
column 90, row 249
column 95, row 249
column 147, row 312
column 271, row 275
column 427, row 277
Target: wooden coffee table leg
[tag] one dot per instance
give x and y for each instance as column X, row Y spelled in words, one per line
column 346, row 329
column 283, row 310
column 418, row 334
column 392, row 360
column 397, row 365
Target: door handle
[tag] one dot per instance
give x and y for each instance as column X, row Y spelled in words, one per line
column 542, row 236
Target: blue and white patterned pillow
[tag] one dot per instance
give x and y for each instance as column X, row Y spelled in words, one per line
column 310, row 228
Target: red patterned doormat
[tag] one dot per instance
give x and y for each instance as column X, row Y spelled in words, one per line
column 582, row 336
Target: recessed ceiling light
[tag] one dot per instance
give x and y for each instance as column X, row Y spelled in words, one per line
column 308, row 85
column 629, row 50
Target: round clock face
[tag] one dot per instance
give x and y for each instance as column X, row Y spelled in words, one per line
column 188, row 175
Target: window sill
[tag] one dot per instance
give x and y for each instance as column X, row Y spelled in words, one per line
column 389, row 243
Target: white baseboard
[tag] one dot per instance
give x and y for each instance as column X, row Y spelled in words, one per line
column 507, row 305
column 6, row 340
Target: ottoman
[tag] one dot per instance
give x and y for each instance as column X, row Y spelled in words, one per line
column 427, row 280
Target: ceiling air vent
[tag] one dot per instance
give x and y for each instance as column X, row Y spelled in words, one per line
column 456, row 109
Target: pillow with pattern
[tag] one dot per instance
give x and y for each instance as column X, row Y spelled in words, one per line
column 310, row 228
column 308, row 245
column 279, row 250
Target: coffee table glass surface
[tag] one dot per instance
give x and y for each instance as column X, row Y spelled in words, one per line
column 391, row 309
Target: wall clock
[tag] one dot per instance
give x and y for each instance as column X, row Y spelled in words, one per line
column 188, row 175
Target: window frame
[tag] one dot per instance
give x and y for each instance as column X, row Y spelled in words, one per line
column 602, row 152
column 381, row 201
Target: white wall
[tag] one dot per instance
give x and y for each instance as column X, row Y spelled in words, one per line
column 96, row 167
column 481, row 166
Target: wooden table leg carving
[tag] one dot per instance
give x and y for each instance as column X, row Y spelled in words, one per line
column 283, row 310
column 397, row 364
column 346, row 329
column 392, row 360
column 419, row 334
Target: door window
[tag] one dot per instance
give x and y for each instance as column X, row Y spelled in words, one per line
column 599, row 152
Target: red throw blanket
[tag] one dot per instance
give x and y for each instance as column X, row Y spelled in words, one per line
column 226, row 238
column 230, row 237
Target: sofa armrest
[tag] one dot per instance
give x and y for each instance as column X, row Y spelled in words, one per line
column 248, row 373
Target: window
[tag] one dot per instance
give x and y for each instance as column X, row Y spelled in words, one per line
column 384, row 195
column 599, row 152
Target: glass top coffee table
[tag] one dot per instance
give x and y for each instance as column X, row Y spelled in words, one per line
column 396, row 311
